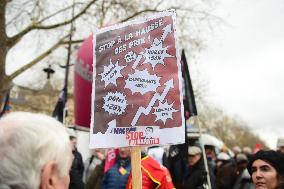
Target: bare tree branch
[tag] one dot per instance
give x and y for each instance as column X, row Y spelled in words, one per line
column 58, row 12
column 73, row 41
column 138, row 13
column 37, row 26
column 38, row 59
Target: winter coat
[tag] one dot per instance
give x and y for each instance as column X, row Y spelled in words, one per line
column 154, row 175
column 226, row 175
column 117, row 176
column 177, row 163
column 195, row 176
column 76, row 172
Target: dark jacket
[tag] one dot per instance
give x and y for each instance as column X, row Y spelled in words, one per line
column 281, row 186
column 117, row 176
column 176, row 163
column 195, row 176
column 76, row 172
column 226, row 175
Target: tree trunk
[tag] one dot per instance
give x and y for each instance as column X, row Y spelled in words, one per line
column 5, row 82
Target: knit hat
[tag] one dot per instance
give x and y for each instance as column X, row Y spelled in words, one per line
column 193, row 150
column 275, row 159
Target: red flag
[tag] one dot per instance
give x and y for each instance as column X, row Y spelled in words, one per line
column 257, row 147
column 110, row 158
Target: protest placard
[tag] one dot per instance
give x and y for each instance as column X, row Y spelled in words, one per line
column 136, row 95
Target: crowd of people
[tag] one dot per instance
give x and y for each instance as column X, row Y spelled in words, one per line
column 37, row 152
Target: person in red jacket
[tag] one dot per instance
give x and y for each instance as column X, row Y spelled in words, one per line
column 154, row 175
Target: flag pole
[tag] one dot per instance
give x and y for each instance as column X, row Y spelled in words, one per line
column 68, row 64
column 203, row 152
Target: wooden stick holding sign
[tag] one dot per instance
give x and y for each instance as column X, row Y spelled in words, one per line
column 136, row 167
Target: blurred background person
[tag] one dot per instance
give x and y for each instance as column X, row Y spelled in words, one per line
column 176, row 163
column 96, row 177
column 243, row 180
column 226, row 171
column 35, row 152
column 236, row 150
column 211, row 158
column 116, row 177
column 195, row 175
column 77, row 168
column 267, row 170
column 154, row 174
column 90, row 164
column 248, row 151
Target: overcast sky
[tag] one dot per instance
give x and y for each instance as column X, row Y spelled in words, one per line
column 244, row 64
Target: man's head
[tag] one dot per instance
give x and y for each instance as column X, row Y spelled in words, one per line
column 247, row 150
column 242, row 161
column 194, row 155
column 222, row 158
column 236, row 150
column 34, row 152
column 124, row 152
column 210, row 152
column 73, row 141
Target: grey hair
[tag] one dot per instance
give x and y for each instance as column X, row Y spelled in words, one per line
column 27, row 142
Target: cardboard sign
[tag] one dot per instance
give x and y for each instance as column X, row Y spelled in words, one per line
column 136, row 95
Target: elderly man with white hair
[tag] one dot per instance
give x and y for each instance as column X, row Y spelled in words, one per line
column 35, row 152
